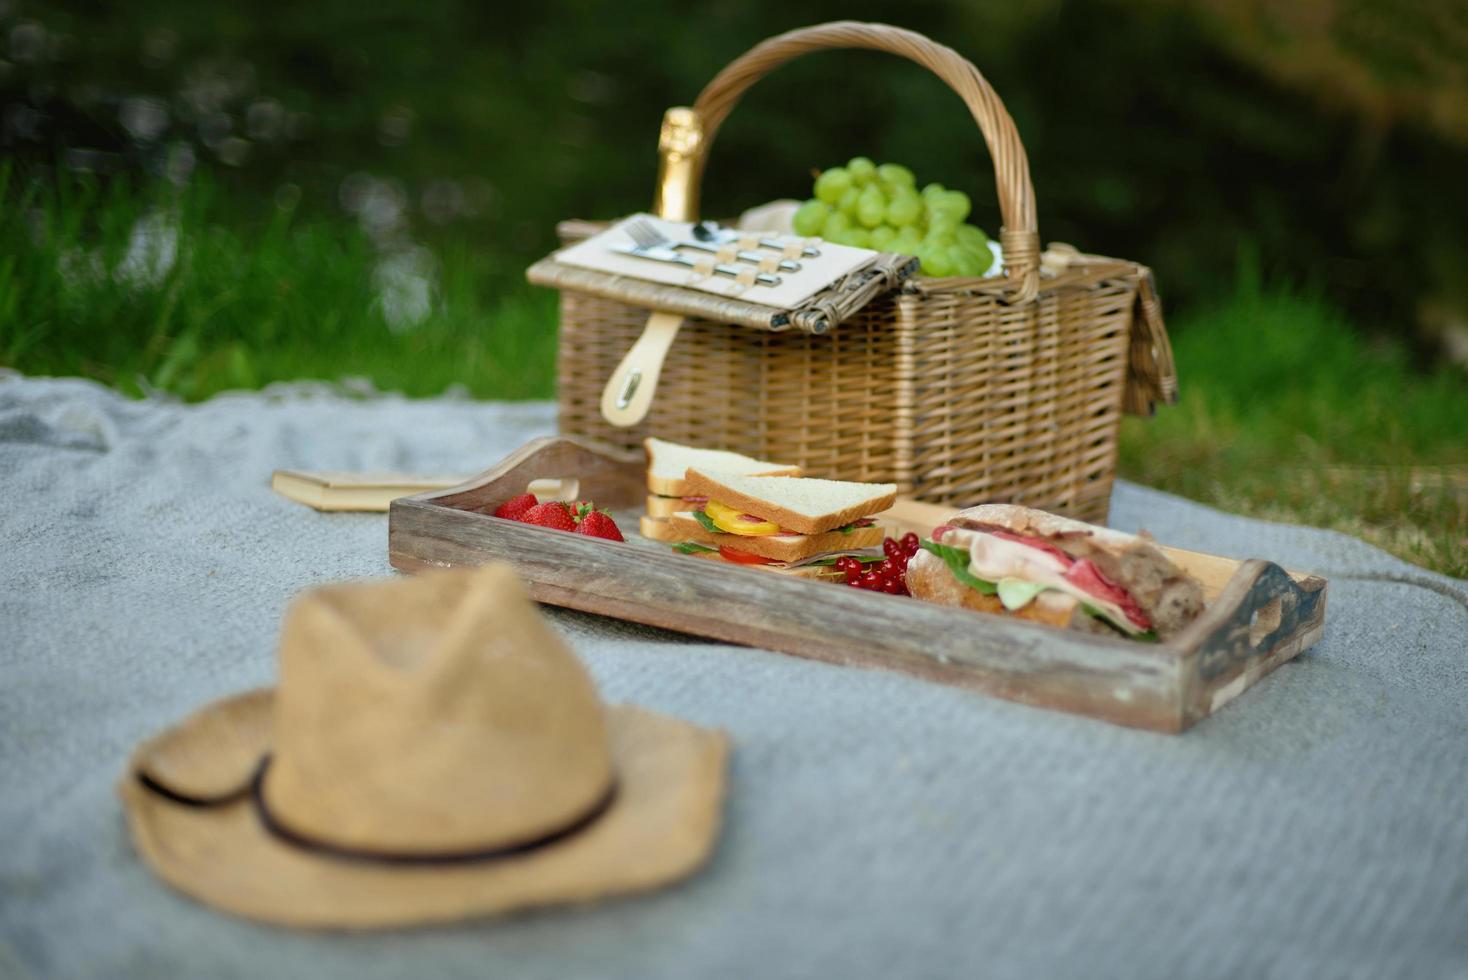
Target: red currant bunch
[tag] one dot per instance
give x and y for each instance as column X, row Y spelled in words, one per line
column 888, row 575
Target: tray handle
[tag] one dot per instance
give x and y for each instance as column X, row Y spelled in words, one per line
column 1263, row 616
column 609, row 478
column 688, row 133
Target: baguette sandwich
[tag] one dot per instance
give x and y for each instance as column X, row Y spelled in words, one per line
column 784, row 521
column 1004, row 558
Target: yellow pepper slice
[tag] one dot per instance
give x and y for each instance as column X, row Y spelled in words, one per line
column 727, row 518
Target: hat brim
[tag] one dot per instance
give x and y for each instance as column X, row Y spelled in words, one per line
column 660, row 827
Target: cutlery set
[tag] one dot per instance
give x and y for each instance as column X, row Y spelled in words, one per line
column 711, row 239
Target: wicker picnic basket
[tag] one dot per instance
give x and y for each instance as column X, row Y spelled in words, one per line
column 959, row 390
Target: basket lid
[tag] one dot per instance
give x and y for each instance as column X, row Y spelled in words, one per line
column 858, row 280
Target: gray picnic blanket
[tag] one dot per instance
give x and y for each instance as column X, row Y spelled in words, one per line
column 878, row 825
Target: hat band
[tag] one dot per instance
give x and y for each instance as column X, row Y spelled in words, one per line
column 295, row 838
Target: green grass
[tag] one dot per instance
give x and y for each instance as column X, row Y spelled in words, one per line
column 252, row 295
column 1288, row 412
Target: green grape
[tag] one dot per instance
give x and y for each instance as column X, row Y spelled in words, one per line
column 862, row 170
column 982, row 259
column 896, row 175
column 837, row 224
column 907, row 242
column 872, row 207
column 831, row 184
column 905, row 209
column 942, row 226
column 933, row 189
column 957, row 204
column 935, row 260
column 849, row 200
column 973, row 237
column 941, row 205
column 855, row 237
column 882, row 237
column 966, row 262
column 811, row 217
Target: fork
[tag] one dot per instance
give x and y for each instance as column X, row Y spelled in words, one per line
column 649, row 240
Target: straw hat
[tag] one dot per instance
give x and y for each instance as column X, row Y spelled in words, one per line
column 433, row 752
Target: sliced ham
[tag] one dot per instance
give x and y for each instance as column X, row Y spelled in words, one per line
column 1088, row 578
column 1034, row 542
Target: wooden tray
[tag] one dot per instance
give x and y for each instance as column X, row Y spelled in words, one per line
column 1258, row 614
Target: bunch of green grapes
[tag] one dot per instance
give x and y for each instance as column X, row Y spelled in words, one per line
column 867, row 206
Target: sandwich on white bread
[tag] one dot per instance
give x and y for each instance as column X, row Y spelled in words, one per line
column 824, row 571
column 656, row 528
column 663, row 508
column 1004, row 558
column 685, row 526
column 798, row 505
column 667, row 462
column 701, row 544
column 783, row 518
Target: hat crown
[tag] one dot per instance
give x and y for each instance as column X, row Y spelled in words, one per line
column 433, row 715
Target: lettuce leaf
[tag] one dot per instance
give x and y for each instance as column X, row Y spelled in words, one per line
column 1016, row 593
column 708, row 523
column 1150, row 636
column 864, row 559
column 957, row 561
column 691, row 548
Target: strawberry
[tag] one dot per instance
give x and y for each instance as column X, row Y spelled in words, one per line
column 599, row 524
column 514, row 509
column 551, row 514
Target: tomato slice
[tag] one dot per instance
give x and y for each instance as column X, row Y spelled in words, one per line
column 743, row 557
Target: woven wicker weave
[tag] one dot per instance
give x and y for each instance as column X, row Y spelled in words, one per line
column 958, row 390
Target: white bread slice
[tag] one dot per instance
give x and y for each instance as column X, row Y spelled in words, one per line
column 656, row 529
column 818, row 572
column 802, row 505
column 660, row 506
column 668, row 461
column 781, row 547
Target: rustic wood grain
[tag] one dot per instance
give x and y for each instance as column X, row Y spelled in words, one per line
column 611, row 479
column 1262, row 617
column 1162, row 687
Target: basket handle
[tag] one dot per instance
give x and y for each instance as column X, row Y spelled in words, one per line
column 687, row 133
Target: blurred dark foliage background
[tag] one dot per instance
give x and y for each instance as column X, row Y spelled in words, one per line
column 1325, row 139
